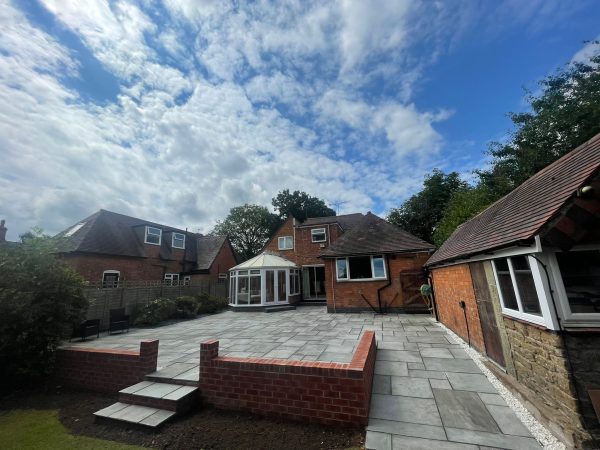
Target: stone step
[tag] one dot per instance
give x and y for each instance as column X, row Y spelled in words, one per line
column 135, row 414
column 271, row 309
column 179, row 373
column 168, row 396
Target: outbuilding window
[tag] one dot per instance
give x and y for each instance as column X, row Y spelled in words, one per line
column 285, row 243
column 580, row 272
column 318, row 235
column 360, row 268
column 517, row 287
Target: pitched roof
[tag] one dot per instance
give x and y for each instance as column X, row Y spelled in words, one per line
column 207, row 250
column 521, row 214
column 264, row 259
column 373, row 235
column 346, row 221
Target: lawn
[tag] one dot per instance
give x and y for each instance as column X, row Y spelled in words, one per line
column 41, row 429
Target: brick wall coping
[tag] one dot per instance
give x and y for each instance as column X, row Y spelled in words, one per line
column 102, row 350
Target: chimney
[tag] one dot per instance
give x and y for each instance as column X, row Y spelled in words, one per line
column 2, row 231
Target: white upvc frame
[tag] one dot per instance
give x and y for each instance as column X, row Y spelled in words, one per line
column 172, row 277
column 349, row 275
column 569, row 318
column 295, row 274
column 322, row 231
column 234, row 285
column 547, row 318
column 179, row 237
column 284, row 239
column 111, row 272
column 152, row 233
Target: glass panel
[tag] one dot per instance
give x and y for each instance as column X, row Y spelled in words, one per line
column 526, row 286
column 581, row 276
column 270, row 286
column 255, row 290
column 281, row 289
column 232, row 291
column 342, row 269
column 360, row 267
column 378, row 267
column 242, row 272
column 292, row 282
column 506, row 287
column 318, row 235
column 297, row 281
column 242, row 292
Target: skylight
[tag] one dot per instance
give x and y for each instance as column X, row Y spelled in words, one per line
column 74, row 230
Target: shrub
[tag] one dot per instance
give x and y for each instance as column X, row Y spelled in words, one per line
column 41, row 300
column 208, row 304
column 187, row 306
column 156, row 311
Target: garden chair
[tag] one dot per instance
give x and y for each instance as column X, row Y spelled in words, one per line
column 119, row 321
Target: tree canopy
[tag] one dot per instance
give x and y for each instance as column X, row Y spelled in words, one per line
column 249, row 227
column 301, row 205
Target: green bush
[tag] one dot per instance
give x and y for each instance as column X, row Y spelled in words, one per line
column 187, row 306
column 41, row 300
column 208, row 304
column 156, row 311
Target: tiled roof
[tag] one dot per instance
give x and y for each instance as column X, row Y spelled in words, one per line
column 520, row 215
column 346, row 221
column 208, row 248
column 373, row 235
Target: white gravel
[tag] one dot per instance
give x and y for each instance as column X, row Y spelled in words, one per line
column 539, row 432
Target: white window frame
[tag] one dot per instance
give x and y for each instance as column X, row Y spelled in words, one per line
column 111, row 272
column 148, row 233
column 187, row 279
column 349, row 275
column 179, row 239
column 172, row 277
column 322, row 231
column 294, row 282
column 546, row 319
column 285, row 239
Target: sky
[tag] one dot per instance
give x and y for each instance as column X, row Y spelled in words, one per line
column 175, row 111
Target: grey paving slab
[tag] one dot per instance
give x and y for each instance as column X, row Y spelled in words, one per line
column 133, row 413
column 396, row 368
column 471, row 382
column 462, row 409
column 439, row 384
column 451, row 365
column 492, row 399
column 412, row 443
column 172, row 371
column 492, row 439
column 427, row 374
column 158, row 418
column 508, row 421
column 407, row 429
column 459, row 353
column 378, row 441
column 179, row 393
column 398, row 355
column 411, row 387
column 436, row 353
column 110, row 410
column 157, row 390
column 136, row 387
column 382, row 384
column 405, row 409
column 416, row 366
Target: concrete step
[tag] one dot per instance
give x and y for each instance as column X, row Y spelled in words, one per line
column 168, row 396
column 271, row 309
column 135, row 414
column 179, row 373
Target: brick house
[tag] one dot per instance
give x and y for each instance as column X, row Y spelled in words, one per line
column 521, row 282
column 352, row 262
column 111, row 248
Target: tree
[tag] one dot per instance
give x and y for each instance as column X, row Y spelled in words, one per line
column 420, row 214
column 248, row 227
column 40, row 301
column 300, row 205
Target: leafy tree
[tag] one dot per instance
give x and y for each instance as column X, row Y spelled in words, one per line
column 300, row 205
column 40, row 301
column 249, row 227
column 420, row 214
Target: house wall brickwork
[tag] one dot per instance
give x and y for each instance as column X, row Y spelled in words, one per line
column 452, row 284
column 224, row 261
column 104, row 370
column 348, row 295
column 307, row 391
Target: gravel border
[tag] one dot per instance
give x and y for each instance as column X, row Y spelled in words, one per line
column 539, row 431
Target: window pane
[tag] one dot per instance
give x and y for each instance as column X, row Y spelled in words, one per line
column 270, row 286
column 378, row 267
column 360, row 267
column 342, row 270
column 318, row 235
column 255, row 290
column 242, row 294
column 526, row 286
column 506, row 287
column 581, row 276
column 282, row 289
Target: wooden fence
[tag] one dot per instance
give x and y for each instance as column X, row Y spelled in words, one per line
column 133, row 295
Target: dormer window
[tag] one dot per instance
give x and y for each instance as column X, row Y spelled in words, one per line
column 318, row 235
column 153, row 236
column 178, row 240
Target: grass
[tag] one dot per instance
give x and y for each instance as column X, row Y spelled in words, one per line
column 41, row 429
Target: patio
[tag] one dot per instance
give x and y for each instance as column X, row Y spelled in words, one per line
column 427, row 392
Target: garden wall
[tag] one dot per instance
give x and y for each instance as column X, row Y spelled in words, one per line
column 104, row 370
column 309, row 391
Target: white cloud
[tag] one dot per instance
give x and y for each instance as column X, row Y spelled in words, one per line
column 584, row 54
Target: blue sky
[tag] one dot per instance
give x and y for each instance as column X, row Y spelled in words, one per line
column 176, row 111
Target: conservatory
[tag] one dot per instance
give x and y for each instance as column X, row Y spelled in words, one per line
column 264, row 280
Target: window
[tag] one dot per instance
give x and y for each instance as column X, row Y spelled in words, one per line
column 318, row 235
column 110, row 278
column 361, row 268
column 75, row 229
column 222, row 278
column 294, row 281
column 153, row 236
column 172, row 279
column 580, row 272
column 517, row 285
column 187, row 280
column 178, row 240
column 285, row 243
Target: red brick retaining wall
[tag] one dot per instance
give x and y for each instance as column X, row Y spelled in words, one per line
column 310, row 391
column 104, row 370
